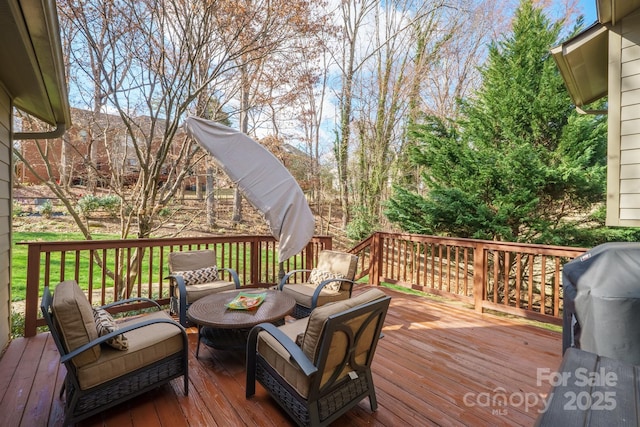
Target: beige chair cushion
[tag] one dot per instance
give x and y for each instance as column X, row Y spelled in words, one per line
column 195, row 292
column 311, row 329
column 338, row 347
column 341, row 263
column 338, row 262
column 197, row 260
column 311, row 340
column 147, row 345
column 278, row 357
column 74, row 316
column 303, row 293
column 191, row 260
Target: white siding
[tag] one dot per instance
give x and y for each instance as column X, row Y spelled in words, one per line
column 623, row 184
column 5, row 218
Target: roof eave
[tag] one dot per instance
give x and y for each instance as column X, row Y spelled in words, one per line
column 36, row 80
column 582, row 62
column 612, row 11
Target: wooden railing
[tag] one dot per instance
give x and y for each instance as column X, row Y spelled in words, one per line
column 519, row 279
column 117, row 269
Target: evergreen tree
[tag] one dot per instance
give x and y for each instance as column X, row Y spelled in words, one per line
column 520, row 165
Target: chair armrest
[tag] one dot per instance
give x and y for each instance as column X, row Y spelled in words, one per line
column 175, row 277
column 316, row 293
column 234, row 275
column 286, row 277
column 177, row 280
column 129, row 300
column 117, row 332
column 297, row 355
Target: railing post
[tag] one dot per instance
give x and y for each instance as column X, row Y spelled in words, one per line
column 327, row 243
column 479, row 276
column 310, row 256
column 375, row 259
column 33, row 289
column 256, row 256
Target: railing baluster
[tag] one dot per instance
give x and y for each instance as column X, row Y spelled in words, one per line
column 543, row 284
column 415, row 261
column 556, row 288
column 458, row 268
column 518, row 278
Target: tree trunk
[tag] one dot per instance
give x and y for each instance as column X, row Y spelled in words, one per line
column 211, row 200
column 237, row 205
column 199, row 186
column 244, row 128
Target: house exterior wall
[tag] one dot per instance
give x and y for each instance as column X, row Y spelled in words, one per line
column 623, row 167
column 104, row 135
column 5, row 217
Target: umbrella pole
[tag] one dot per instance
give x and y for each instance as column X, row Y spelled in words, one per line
column 280, row 271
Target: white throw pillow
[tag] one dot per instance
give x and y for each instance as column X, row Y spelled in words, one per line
column 317, row 276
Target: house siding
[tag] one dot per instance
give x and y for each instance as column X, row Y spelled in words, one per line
column 623, row 198
column 5, row 217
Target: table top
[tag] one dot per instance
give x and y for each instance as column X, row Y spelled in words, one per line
column 592, row 390
column 211, row 310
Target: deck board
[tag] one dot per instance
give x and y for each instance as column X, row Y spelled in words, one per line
column 432, row 355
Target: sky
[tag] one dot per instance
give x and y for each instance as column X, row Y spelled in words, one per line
column 589, row 10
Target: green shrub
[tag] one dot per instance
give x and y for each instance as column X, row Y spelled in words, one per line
column 17, row 324
column 362, row 225
column 164, row 213
column 17, row 209
column 111, row 204
column 46, row 209
column 90, row 204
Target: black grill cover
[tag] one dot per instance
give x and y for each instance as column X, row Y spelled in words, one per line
column 602, row 290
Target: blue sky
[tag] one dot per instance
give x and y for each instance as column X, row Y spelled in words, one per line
column 589, row 10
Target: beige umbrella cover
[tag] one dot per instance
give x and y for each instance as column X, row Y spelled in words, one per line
column 262, row 179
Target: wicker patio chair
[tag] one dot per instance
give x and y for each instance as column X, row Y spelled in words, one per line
column 319, row 367
column 193, row 275
column 321, row 285
column 150, row 350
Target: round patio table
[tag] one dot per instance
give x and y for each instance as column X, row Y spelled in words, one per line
column 227, row 329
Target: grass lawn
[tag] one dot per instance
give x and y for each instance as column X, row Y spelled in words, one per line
column 19, row 255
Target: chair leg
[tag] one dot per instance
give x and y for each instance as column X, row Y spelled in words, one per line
column 251, row 363
column 186, row 382
column 199, row 339
column 373, row 402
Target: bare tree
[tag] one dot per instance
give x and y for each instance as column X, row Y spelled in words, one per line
column 354, row 15
column 148, row 61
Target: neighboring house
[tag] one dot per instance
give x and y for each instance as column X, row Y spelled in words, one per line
column 604, row 60
column 87, row 151
column 101, row 140
column 31, row 79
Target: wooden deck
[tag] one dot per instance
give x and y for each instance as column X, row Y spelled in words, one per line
column 438, row 364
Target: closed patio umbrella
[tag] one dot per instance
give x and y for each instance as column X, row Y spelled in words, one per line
column 263, row 181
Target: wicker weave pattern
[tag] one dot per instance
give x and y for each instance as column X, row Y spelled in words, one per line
column 122, row 389
column 288, row 400
column 346, row 393
column 300, row 311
